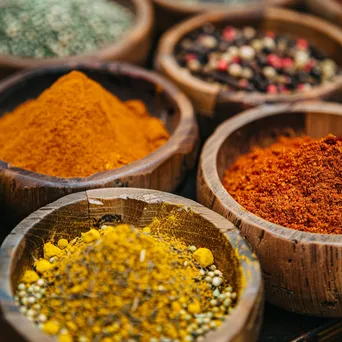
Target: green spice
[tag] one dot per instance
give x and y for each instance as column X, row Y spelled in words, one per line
column 57, row 28
column 122, row 284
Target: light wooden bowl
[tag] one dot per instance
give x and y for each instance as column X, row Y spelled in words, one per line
column 23, row 192
column 73, row 214
column 170, row 12
column 328, row 9
column 214, row 104
column 302, row 271
column 133, row 47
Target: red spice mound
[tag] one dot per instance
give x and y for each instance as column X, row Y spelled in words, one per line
column 296, row 182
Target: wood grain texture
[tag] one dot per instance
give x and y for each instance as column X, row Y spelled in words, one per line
column 302, row 271
column 23, row 192
column 212, row 102
column 73, row 214
column 132, row 48
column 328, row 9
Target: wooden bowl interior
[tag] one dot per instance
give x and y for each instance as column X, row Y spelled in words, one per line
column 267, row 130
column 274, row 21
column 125, row 86
column 71, row 220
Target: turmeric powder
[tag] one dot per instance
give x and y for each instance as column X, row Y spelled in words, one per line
column 77, row 128
column 128, row 284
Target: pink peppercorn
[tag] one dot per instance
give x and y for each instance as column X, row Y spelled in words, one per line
column 272, row 89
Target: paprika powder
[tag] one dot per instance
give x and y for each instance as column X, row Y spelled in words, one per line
column 296, row 183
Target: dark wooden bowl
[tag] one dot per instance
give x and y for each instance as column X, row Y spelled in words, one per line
column 214, row 104
column 170, row 12
column 23, row 192
column 328, row 9
column 302, row 271
column 132, row 48
column 73, row 214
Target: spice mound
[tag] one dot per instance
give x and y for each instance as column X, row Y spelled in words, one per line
column 296, row 182
column 77, row 128
column 244, row 59
column 125, row 284
column 59, row 28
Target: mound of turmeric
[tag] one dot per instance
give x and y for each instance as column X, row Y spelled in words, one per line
column 77, row 128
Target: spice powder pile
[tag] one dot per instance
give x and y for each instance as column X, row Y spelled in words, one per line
column 59, row 28
column 124, row 284
column 77, row 128
column 296, row 183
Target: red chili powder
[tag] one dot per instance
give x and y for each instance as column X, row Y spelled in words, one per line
column 296, row 183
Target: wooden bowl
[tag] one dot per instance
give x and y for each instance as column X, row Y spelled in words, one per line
column 132, row 48
column 214, row 104
column 23, row 192
column 302, row 271
column 73, row 214
column 170, row 12
column 329, row 9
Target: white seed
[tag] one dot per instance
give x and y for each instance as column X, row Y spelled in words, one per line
column 217, row 281
column 21, row 286
column 31, row 313
column 212, row 267
column 216, row 293
column 104, row 226
column 234, row 295
column 208, row 279
column 229, row 289
column 213, row 302
column 38, row 295
column 269, row 43
column 22, row 293
column 247, row 73
column 30, row 289
column 186, row 263
column 42, row 318
column 211, row 274
column 257, row 44
column 16, row 299
column 218, row 273
column 23, row 309
column 233, row 51
column 301, row 58
column 202, row 272
column 192, row 248
column 270, row 72
column 227, row 302
column 52, row 260
column 31, row 300
column 40, row 282
column 208, row 41
column 249, row 32
column 24, row 300
column 235, row 70
column 247, row 52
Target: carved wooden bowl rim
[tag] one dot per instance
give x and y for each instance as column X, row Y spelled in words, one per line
column 186, row 130
column 143, row 24
column 250, row 267
column 208, row 165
